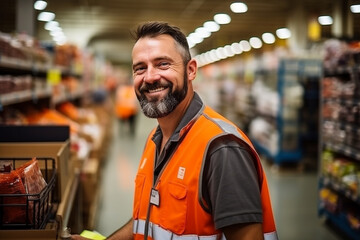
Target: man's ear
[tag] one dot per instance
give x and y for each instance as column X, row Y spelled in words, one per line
column 192, row 69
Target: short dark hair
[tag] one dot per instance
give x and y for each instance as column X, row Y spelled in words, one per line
column 154, row 29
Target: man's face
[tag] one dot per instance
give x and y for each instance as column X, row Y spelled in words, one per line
column 159, row 75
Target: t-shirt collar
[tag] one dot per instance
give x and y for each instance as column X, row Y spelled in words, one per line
column 192, row 113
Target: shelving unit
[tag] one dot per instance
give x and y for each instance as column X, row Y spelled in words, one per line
column 296, row 84
column 339, row 181
column 33, row 94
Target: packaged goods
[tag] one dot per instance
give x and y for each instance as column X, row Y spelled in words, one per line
column 23, row 183
column 11, row 183
column 32, row 177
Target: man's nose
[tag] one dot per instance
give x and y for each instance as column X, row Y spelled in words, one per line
column 151, row 75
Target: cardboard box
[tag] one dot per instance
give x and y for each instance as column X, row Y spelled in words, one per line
column 60, row 151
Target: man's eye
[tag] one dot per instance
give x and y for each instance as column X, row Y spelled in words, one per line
column 164, row 64
column 139, row 70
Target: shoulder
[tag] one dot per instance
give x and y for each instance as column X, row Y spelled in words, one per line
column 227, row 142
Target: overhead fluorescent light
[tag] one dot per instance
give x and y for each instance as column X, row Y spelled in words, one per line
column 268, row 38
column 236, row 48
column 40, row 5
column 203, row 32
column 355, row 8
column 325, row 20
column 222, row 18
column 220, row 53
column 195, row 38
column 255, row 42
column 283, row 33
column 238, row 7
column 51, row 25
column 211, row 26
column 245, row 45
column 228, row 51
column 46, row 16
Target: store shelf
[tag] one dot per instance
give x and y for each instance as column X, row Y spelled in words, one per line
column 339, row 187
column 23, row 96
column 340, row 149
column 287, row 123
column 340, row 221
column 344, row 150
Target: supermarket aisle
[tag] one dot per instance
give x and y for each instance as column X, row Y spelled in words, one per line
column 117, row 186
column 294, row 194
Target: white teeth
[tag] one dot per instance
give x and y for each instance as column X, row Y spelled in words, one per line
column 156, row 90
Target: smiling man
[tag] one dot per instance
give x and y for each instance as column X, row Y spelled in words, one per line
column 199, row 176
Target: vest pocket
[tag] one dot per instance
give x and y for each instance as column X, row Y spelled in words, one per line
column 139, row 186
column 173, row 213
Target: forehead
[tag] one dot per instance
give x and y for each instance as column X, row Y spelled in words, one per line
column 151, row 47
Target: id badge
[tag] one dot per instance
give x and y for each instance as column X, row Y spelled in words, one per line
column 155, row 197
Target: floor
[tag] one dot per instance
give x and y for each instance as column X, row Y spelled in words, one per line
column 294, row 193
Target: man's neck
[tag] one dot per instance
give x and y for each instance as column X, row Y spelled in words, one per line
column 169, row 123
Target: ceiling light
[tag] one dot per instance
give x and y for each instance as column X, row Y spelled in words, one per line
column 228, row 51
column 325, row 20
column 211, row 26
column 195, row 38
column 57, row 33
column 46, row 16
column 40, row 5
column 245, row 45
column 236, row 48
column 212, row 55
column 220, row 53
column 283, row 33
column 222, row 18
column 268, row 38
column 203, row 32
column 51, row 25
column 190, row 42
column 255, row 42
column 355, row 8
column 238, row 7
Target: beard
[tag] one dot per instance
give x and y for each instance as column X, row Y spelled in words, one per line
column 158, row 108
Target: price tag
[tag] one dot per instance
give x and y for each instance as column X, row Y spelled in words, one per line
column 53, row 76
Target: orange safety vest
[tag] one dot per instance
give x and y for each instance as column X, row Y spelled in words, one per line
column 173, row 205
column 126, row 102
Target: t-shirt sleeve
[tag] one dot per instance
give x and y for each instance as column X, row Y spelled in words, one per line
column 230, row 183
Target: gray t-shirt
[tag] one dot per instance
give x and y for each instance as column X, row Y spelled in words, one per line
column 230, row 183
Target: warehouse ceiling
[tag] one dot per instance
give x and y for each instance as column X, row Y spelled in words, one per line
column 105, row 26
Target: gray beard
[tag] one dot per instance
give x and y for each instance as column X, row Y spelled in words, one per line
column 161, row 108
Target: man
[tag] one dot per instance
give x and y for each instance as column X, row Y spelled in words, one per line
column 199, row 176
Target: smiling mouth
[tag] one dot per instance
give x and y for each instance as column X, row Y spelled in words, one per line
column 156, row 90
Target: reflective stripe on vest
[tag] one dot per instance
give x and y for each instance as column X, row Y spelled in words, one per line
column 270, row 236
column 157, row 232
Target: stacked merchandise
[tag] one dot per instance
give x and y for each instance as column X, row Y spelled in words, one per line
column 19, row 56
column 340, row 160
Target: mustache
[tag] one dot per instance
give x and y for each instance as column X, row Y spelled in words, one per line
column 148, row 86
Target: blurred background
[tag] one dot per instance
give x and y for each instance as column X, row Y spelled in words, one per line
column 286, row 72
